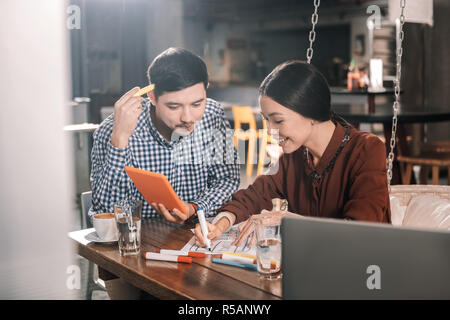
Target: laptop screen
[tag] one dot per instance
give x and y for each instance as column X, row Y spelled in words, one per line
column 336, row 259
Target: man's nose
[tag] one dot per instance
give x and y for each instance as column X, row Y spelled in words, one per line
column 186, row 115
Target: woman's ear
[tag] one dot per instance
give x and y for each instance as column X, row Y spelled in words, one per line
column 313, row 122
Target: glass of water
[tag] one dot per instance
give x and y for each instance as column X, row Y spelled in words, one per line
column 128, row 218
column 268, row 246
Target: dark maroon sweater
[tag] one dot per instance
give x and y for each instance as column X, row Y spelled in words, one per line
column 354, row 188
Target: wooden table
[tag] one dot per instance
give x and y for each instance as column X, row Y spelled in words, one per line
column 366, row 92
column 169, row 280
column 360, row 113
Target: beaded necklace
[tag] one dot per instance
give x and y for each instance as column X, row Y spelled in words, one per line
column 314, row 174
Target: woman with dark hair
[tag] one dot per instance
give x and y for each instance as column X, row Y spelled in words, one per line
column 328, row 168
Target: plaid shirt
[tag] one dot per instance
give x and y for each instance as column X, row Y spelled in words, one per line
column 202, row 167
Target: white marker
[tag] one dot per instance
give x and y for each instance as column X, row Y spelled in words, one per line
column 202, row 220
column 167, row 257
column 183, row 253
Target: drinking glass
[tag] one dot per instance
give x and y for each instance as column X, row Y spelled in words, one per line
column 268, row 246
column 128, row 218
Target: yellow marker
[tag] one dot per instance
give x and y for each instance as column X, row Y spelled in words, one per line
column 144, row 90
column 251, row 256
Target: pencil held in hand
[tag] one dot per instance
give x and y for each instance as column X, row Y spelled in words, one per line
column 144, row 90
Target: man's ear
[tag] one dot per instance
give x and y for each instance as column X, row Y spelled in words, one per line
column 152, row 97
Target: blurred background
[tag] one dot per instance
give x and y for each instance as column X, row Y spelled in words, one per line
column 74, row 59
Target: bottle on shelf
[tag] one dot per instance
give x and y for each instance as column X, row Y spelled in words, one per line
column 353, row 77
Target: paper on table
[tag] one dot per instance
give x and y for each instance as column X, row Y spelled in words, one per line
column 223, row 244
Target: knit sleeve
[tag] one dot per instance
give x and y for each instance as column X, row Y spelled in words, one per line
column 368, row 191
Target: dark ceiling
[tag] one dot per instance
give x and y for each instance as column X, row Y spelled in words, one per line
column 251, row 10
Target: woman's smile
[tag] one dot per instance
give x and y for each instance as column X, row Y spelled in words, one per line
column 282, row 142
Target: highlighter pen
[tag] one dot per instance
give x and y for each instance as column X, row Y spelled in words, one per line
column 238, row 259
column 167, row 257
column 144, row 90
column 183, row 253
column 248, row 266
column 202, row 220
column 245, row 255
column 245, row 258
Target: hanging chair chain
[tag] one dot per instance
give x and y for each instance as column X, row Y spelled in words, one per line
column 312, row 33
column 397, row 93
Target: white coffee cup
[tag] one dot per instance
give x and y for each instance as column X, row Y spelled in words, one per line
column 106, row 227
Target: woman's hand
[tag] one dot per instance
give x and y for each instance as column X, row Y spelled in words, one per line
column 246, row 228
column 215, row 231
column 175, row 215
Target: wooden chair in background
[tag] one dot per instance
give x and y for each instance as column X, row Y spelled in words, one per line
column 434, row 155
column 93, row 280
column 244, row 115
column 272, row 150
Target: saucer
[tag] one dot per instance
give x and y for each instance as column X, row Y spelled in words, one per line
column 93, row 236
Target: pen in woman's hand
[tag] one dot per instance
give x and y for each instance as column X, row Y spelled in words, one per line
column 204, row 227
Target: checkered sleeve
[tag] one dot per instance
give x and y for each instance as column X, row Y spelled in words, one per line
column 109, row 180
column 223, row 168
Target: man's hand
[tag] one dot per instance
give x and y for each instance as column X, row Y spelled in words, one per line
column 174, row 215
column 126, row 113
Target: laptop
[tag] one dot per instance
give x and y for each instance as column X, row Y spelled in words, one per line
column 336, row 259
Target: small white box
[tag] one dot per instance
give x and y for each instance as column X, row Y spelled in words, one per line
column 376, row 74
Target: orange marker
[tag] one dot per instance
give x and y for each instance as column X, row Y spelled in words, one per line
column 183, row 253
column 167, row 257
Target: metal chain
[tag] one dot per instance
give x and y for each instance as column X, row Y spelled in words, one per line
column 312, row 33
column 397, row 94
